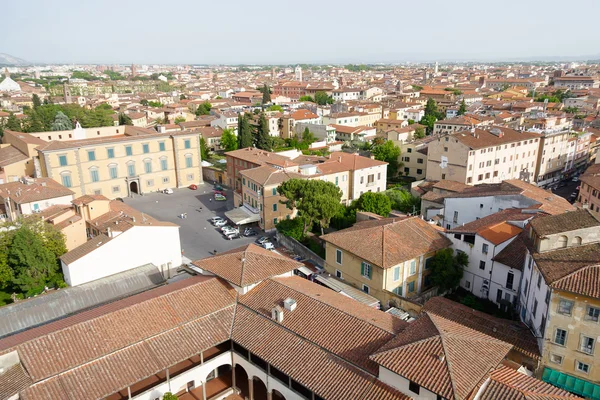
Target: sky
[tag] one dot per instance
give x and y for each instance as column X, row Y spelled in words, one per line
column 288, row 32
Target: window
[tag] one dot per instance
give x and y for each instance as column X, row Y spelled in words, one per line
column 146, row 148
column 582, row 367
column 414, row 387
column 91, row 155
column 560, row 336
column 128, row 151
column 163, row 164
column 592, row 313
column 481, row 264
column 366, row 270
column 396, row 274
column 484, row 248
column 565, row 307
column 338, row 274
column 112, row 171
column 131, row 170
column 413, row 267
column 94, row 175
column 510, row 277
column 411, row 287
column 187, row 144
column 62, row 160
column 66, row 180
column 338, row 256
column 365, row 289
column 161, row 146
column 535, row 306
column 586, row 344
column 110, row 153
column 275, row 207
column 148, row 166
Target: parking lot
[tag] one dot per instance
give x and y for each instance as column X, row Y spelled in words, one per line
column 199, row 238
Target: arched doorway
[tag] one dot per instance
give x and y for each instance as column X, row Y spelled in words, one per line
column 241, row 381
column 133, row 187
column 259, row 388
column 276, row 395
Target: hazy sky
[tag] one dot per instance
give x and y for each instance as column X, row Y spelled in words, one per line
column 306, row 31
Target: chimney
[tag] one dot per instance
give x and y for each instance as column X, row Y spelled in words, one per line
column 277, row 314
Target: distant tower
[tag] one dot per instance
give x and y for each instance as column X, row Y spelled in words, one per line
column 133, row 71
column 298, row 73
column 67, row 93
column 435, row 71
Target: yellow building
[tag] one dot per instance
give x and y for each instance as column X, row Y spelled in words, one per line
column 120, row 161
column 387, row 258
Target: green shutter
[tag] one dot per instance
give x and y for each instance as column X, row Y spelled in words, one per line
column 362, row 268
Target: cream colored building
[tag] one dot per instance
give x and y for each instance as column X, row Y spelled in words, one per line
column 120, row 161
column 488, row 155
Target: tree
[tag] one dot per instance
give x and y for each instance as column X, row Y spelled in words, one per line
column 463, row 108
column 322, row 98
column 179, row 119
column 204, row 108
column 124, row 119
column 36, row 101
column 402, row 200
column 389, row 153
column 61, row 122
column 377, row 203
column 245, row 138
column 229, row 141
column 419, row 132
column 447, row 269
column 204, row 149
column 263, row 139
column 275, row 107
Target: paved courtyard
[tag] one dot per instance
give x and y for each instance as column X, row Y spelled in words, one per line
column 199, row 238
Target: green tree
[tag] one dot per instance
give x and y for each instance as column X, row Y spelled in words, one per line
column 229, row 141
column 61, row 122
column 245, row 137
column 179, row 119
column 463, row 108
column 322, row 98
column 204, row 151
column 419, row 133
column 389, row 153
column 275, row 107
column 263, row 139
column 124, row 119
column 36, row 101
column 204, row 108
column 447, row 269
column 377, row 203
column 402, row 200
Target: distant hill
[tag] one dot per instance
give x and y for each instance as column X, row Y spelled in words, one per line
column 7, row 59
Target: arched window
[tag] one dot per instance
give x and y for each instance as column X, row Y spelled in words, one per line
column 577, row 241
column 562, row 241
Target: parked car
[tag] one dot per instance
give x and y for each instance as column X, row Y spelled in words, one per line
column 262, row 239
column 220, row 197
column 168, row 191
column 250, row 232
column 220, row 223
column 193, row 187
column 268, row 246
column 213, row 220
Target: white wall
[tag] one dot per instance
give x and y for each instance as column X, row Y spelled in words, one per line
column 27, row 208
column 135, row 247
column 401, row 383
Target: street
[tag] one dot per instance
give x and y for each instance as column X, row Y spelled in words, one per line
column 199, row 238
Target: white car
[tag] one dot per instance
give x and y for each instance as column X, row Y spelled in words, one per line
column 168, row 191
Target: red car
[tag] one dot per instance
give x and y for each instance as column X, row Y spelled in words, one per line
column 193, row 187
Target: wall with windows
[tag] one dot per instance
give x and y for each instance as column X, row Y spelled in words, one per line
column 572, row 335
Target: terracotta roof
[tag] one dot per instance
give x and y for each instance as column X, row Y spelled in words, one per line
column 508, row 384
column 347, row 328
column 549, row 225
column 443, row 356
column 389, row 241
column 485, row 138
column 10, row 155
column 247, row 265
column 513, row 332
column 40, row 189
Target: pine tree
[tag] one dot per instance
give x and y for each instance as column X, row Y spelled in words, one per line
column 61, row 122
column 263, row 139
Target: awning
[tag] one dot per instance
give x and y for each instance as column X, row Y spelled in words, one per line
column 242, row 216
column 571, row 384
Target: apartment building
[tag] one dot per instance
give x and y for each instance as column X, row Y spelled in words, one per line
column 559, row 297
column 488, row 155
column 120, row 161
column 384, row 258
